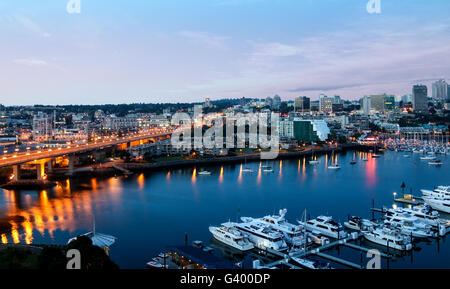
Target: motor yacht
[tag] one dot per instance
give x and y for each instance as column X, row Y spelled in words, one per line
column 438, row 203
column 389, row 238
column 409, row 225
column 326, row 226
column 229, row 235
column 293, row 234
column 262, row 236
column 359, row 224
column 204, row 173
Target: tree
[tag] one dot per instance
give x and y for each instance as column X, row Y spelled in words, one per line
column 92, row 257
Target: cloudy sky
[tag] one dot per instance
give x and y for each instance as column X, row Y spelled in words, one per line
column 125, row 51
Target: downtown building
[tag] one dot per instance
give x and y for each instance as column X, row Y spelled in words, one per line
column 440, row 91
column 420, row 98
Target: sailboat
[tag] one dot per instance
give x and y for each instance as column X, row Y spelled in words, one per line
column 100, row 240
column 375, row 155
column 353, row 160
column 313, row 160
column 246, row 169
column 334, row 166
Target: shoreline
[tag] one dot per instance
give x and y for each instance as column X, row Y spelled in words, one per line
column 137, row 167
column 120, row 169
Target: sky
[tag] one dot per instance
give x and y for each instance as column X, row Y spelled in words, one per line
column 128, row 51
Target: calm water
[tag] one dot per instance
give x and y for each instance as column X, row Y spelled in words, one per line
column 150, row 211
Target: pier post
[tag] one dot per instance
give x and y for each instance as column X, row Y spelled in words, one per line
column 16, row 173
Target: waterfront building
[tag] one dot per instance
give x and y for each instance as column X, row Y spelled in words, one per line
column 310, row 130
column 286, row 128
column 420, row 98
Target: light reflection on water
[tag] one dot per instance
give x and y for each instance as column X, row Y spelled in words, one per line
column 149, row 211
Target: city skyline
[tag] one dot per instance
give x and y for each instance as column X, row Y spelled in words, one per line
column 217, row 49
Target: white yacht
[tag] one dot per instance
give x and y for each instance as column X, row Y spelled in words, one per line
column 263, row 236
column 389, row 238
column 247, row 170
column 268, row 170
column 358, row 224
column 230, row 236
column 410, row 225
column 294, row 235
column 440, row 191
column 204, row 173
column 308, row 264
column 326, row 226
column 438, row 203
column 425, row 214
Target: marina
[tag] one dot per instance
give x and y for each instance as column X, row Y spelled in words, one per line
column 177, row 202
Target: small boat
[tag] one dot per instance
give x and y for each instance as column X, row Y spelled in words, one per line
column 334, row 167
column 247, row 170
column 313, row 162
column 308, row 264
column 270, row 170
column 375, row 156
column 155, row 265
column 435, row 163
column 406, row 156
column 204, row 173
column 427, row 158
column 353, row 162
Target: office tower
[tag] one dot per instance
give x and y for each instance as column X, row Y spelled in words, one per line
column 420, row 98
column 326, row 103
column 302, row 104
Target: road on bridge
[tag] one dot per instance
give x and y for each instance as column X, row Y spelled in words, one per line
column 21, row 158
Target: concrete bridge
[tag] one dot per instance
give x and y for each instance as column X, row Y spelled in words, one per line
column 41, row 157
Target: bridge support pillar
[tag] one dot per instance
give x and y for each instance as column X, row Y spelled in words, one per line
column 71, row 166
column 50, row 166
column 16, row 173
column 39, row 171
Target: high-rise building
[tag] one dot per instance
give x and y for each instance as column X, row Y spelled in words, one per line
column 407, row 98
column 439, row 90
column 377, row 102
column 326, row 103
column 420, row 97
column 366, row 105
column 389, row 102
column 302, row 104
column 276, row 103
